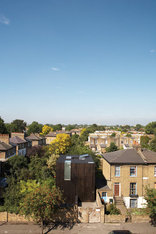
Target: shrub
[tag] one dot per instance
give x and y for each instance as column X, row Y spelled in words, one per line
column 112, row 210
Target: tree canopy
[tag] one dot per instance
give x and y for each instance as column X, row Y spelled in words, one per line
column 61, row 144
column 34, row 127
column 3, row 128
column 150, row 197
column 18, row 125
column 112, row 147
column 151, row 128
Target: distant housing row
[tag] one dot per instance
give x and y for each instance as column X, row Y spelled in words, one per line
column 18, row 144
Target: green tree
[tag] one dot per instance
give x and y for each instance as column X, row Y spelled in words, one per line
column 112, row 147
column 128, row 135
column 3, row 128
column 52, row 163
column 18, row 125
column 34, row 127
column 41, row 204
column 150, row 128
column 113, row 134
column 144, row 142
column 70, row 127
column 138, row 127
column 150, row 197
column 152, row 144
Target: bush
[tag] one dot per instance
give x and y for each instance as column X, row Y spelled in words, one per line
column 112, row 210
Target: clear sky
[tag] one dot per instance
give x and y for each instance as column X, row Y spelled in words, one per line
column 78, row 61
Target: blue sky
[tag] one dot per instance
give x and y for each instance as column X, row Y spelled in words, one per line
column 78, row 61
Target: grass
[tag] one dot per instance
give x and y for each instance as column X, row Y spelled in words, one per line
column 138, row 211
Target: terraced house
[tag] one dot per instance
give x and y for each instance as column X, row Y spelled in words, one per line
column 127, row 173
column 6, row 150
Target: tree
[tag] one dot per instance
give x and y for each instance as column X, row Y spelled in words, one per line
column 144, row 141
column 56, row 127
column 3, row 128
column 113, row 134
column 112, row 147
column 70, row 127
column 150, row 197
column 41, row 204
column 152, row 145
column 138, row 127
column 60, row 145
column 150, row 128
column 34, row 127
column 128, row 135
column 18, row 125
column 46, row 129
column 52, row 163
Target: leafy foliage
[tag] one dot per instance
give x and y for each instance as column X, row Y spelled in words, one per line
column 151, row 201
column 52, row 163
column 152, row 144
column 3, row 128
column 139, row 127
column 18, row 125
column 112, row 147
column 34, row 127
column 151, row 128
column 112, row 210
column 113, row 134
column 46, row 129
column 61, row 144
column 41, row 203
column 144, row 141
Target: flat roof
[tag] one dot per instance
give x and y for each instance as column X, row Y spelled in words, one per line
column 76, row 159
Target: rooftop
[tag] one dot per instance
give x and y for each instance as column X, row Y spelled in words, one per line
column 17, row 140
column 76, row 159
column 130, row 156
column 4, row 146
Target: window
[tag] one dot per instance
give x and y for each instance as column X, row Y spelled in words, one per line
column 133, row 203
column 133, row 189
column 133, row 171
column 67, row 170
column 104, row 194
column 155, row 171
column 117, row 171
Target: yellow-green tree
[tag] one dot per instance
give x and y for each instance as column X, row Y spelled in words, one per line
column 52, row 163
column 61, row 144
column 46, row 129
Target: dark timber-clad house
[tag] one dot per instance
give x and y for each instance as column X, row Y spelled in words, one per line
column 75, row 175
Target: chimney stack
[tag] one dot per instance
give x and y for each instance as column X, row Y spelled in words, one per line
column 4, row 138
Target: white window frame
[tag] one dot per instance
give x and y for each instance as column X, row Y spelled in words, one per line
column 135, row 171
column 155, row 171
column 117, row 171
column 135, row 188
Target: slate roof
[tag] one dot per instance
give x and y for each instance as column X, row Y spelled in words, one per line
column 149, row 155
column 131, row 156
column 127, row 156
column 51, row 134
column 4, row 146
column 33, row 137
column 17, row 140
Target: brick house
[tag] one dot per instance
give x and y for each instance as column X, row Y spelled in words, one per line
column 36, row 139
column 6, row 150
column 20, row 144
column 127, row 173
